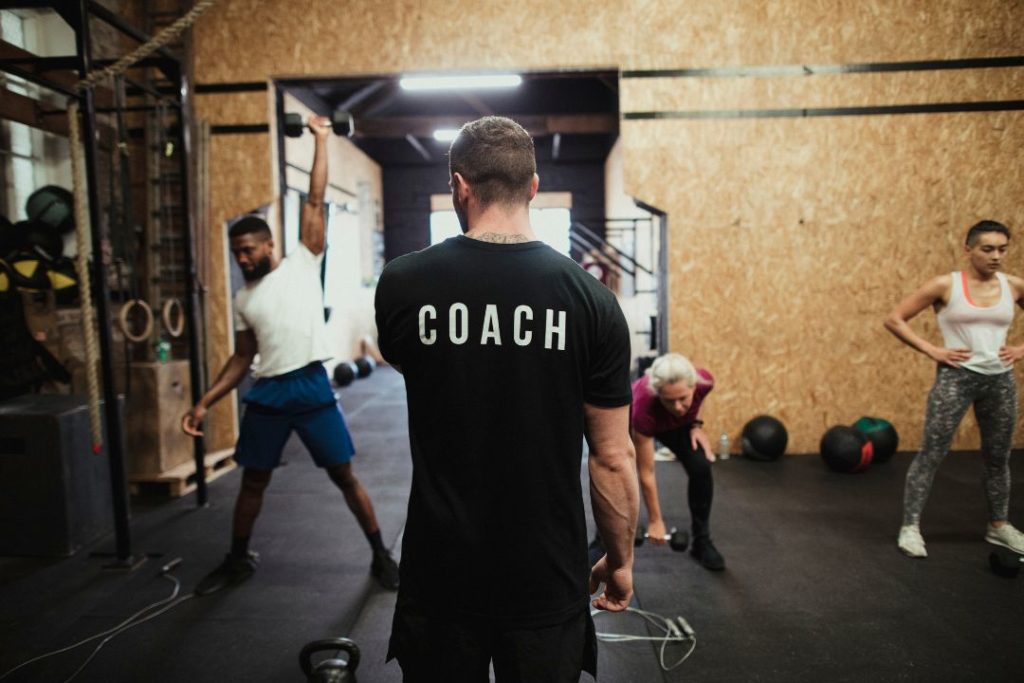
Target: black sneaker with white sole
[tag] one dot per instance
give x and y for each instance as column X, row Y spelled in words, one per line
column 232, row 571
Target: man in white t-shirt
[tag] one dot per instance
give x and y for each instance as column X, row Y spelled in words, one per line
column 279, row 315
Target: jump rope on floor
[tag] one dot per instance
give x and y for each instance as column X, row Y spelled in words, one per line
column 673, row 631
column 142, row 616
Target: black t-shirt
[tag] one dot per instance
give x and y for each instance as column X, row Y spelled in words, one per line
column 501, row 345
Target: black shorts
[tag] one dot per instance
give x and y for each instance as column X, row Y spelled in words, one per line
column 461, row 649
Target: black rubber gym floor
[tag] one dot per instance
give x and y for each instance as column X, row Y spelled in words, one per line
column 814, row 590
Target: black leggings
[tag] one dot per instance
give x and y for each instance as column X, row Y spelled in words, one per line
column 701, row 488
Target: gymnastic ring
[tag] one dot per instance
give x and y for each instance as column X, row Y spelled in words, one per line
column 170, row 308
column 122, row 320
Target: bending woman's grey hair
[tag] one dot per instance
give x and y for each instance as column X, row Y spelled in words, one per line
column 669, row 369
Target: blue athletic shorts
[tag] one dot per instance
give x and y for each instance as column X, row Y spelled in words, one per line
column 303, row 401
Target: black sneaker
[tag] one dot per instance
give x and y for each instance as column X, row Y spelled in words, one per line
column 385, row 570
column 705, row 552
column 233, row 570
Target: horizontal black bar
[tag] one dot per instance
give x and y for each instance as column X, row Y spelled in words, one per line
column 240, row 129
column 39, row 80
column 937, row 108
column 44, row 64
column 249, row 86
column 820, row 69
column 163, row 63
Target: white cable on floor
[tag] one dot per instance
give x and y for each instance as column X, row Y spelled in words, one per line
column 678, row 631
column 132, row 621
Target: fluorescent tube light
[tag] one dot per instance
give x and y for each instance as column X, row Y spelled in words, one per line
column 461, row 82
column 446, row 134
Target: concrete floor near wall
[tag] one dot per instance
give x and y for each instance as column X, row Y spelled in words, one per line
column 814, row 589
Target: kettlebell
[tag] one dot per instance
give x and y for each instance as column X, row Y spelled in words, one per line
column 330, row 670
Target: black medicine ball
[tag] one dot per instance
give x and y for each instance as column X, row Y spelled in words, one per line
column 344, row 373
column 845, row 449
column 1005, row 562
column 884, row 439
column 764, row 438
column 52, row 206
column 364, row 366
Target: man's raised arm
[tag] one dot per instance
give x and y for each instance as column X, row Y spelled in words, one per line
column 312, row 229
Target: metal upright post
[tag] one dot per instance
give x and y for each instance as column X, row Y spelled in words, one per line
column 111, row 407
column 191, row 307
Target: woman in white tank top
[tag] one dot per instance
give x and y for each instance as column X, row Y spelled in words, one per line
column 974, row 308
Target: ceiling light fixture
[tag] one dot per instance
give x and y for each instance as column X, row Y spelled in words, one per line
column 460, row 82
column 446, row 134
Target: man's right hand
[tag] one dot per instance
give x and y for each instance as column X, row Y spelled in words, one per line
column 193, row 420
column 320, row 126
column 618, row 586
column 950, row 357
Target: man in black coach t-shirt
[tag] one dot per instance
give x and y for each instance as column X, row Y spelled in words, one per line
column 511, row 353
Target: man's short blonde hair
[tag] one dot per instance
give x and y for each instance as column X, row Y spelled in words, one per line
column 669, row 369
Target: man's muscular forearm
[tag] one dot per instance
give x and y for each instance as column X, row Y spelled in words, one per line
column 644, row 446
column 233, row 372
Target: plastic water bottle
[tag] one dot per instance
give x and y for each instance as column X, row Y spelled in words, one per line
column 723, row 446
column 163, row 350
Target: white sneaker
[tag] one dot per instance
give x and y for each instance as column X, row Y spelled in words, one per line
column 910, row 541
column 1007, row 536
column 663, row 454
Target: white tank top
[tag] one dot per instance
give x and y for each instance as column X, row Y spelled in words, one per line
column 982, row 329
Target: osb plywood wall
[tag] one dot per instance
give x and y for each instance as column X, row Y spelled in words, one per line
column 792, row 239
column 787, row 313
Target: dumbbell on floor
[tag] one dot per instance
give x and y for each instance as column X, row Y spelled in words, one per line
column 342, row 123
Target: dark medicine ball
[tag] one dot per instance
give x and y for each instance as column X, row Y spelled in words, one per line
column 1005, row 562
column 764, row 438
column 53, row 206
column 884, row 439
column 846, row 449
column 345, row 373
column 364, row 366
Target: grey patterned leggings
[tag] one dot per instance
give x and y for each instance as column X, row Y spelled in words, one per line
column 995, row 407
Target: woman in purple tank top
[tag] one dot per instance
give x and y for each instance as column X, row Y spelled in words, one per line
column 667, row 403
column 974, row 308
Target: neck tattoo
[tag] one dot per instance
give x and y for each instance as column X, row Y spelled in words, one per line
column 500, row 238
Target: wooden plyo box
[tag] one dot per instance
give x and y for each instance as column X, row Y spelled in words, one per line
column 160, row 394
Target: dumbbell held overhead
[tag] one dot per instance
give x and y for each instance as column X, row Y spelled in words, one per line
column 342, row 123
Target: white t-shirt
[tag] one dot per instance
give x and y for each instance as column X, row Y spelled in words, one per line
column 285, row 311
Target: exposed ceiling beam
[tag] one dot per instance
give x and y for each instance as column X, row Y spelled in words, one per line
column 376, row 100
column 537, row 126
column 418, row 146
column 361, row 95
column 479, row 105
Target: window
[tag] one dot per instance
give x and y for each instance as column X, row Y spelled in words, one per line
column 550, row 225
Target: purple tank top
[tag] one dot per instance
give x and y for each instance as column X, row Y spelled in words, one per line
column 649, row 417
